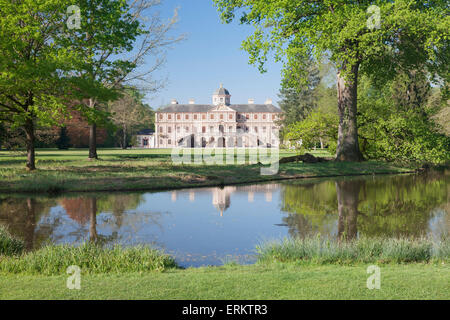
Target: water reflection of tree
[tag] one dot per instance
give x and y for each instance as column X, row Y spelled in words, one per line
column 86, row 209
column 20, row 215
column 348, row 200
column 380, row 206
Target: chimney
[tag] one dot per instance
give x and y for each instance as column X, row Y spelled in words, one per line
column 191, row 101
column 268, row 101
column 174, row 101
column 251, row 101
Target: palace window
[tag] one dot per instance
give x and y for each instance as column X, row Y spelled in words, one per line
column 256, row 129
column 161, row 129
column 169, row 116
column 169, row 141
column 264, row 129
column 186, row 129
column 203, row 116
column 160, row 141
column 221, row 116
column 264, row 116
column 195, row 117
column 186, row 117
column 247, row 116
column 178, row 117
column 230, row 116
column 169, row 129
column 160, row 116
column 273, row 117
column 203, row 129
column 255, row 117
column 211, row 129
column 230, row 129
column 211, row 117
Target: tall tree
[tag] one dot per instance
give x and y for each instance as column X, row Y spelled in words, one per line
column 129, row 113
column 116, row 36
column 298, row 97
column 360, row 38
column 33, row 88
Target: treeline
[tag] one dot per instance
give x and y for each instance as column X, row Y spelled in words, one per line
column 123, row 119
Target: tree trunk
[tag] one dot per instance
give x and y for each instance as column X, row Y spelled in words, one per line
column 347, row 144
column 30, row 138
column 92, row 136
column 93, row 141
column 124, row 145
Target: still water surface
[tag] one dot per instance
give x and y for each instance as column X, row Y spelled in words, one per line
column 208, row 226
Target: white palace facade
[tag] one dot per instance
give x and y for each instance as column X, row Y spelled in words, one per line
column 220, row 124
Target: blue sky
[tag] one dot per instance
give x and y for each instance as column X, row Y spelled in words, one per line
column 211, row 55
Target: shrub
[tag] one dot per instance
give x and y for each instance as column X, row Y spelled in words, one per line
column 91, row 258
column 8, row 244
column 363, row 250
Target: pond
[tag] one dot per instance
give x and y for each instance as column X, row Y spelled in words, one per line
column 210, row 226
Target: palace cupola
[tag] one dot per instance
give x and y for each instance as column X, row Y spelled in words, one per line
column 221, row 96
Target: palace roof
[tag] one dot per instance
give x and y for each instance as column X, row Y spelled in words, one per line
column 241, row 108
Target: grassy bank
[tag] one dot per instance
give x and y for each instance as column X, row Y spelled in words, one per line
column 143, row 273
column 283, row 281
column 134, row 170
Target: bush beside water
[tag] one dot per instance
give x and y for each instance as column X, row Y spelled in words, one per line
column 91, row 258
column 9, row 245
column 364, row 250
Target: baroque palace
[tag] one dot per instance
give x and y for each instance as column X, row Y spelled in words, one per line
column 220, row 124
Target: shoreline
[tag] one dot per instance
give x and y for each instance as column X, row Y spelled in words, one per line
column 207, row 185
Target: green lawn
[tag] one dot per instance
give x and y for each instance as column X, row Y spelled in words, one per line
column 285, row 281
column 151, row 169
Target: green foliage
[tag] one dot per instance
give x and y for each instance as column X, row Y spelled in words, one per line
column 410, row 32
column 396, row 122
column 298, row 100
column 9, row 245
column 316, row 127
column 34, row 59
column 107, row 33
column 91, row 258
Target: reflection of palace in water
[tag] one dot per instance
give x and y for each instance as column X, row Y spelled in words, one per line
column 221, row 196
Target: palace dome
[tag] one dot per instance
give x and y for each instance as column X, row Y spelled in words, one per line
column 221, row 91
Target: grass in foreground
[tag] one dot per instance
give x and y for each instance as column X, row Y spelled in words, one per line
column 281, row 281
column 152, row 169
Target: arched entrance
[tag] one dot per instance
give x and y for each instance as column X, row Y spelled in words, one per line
column 221, row 142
